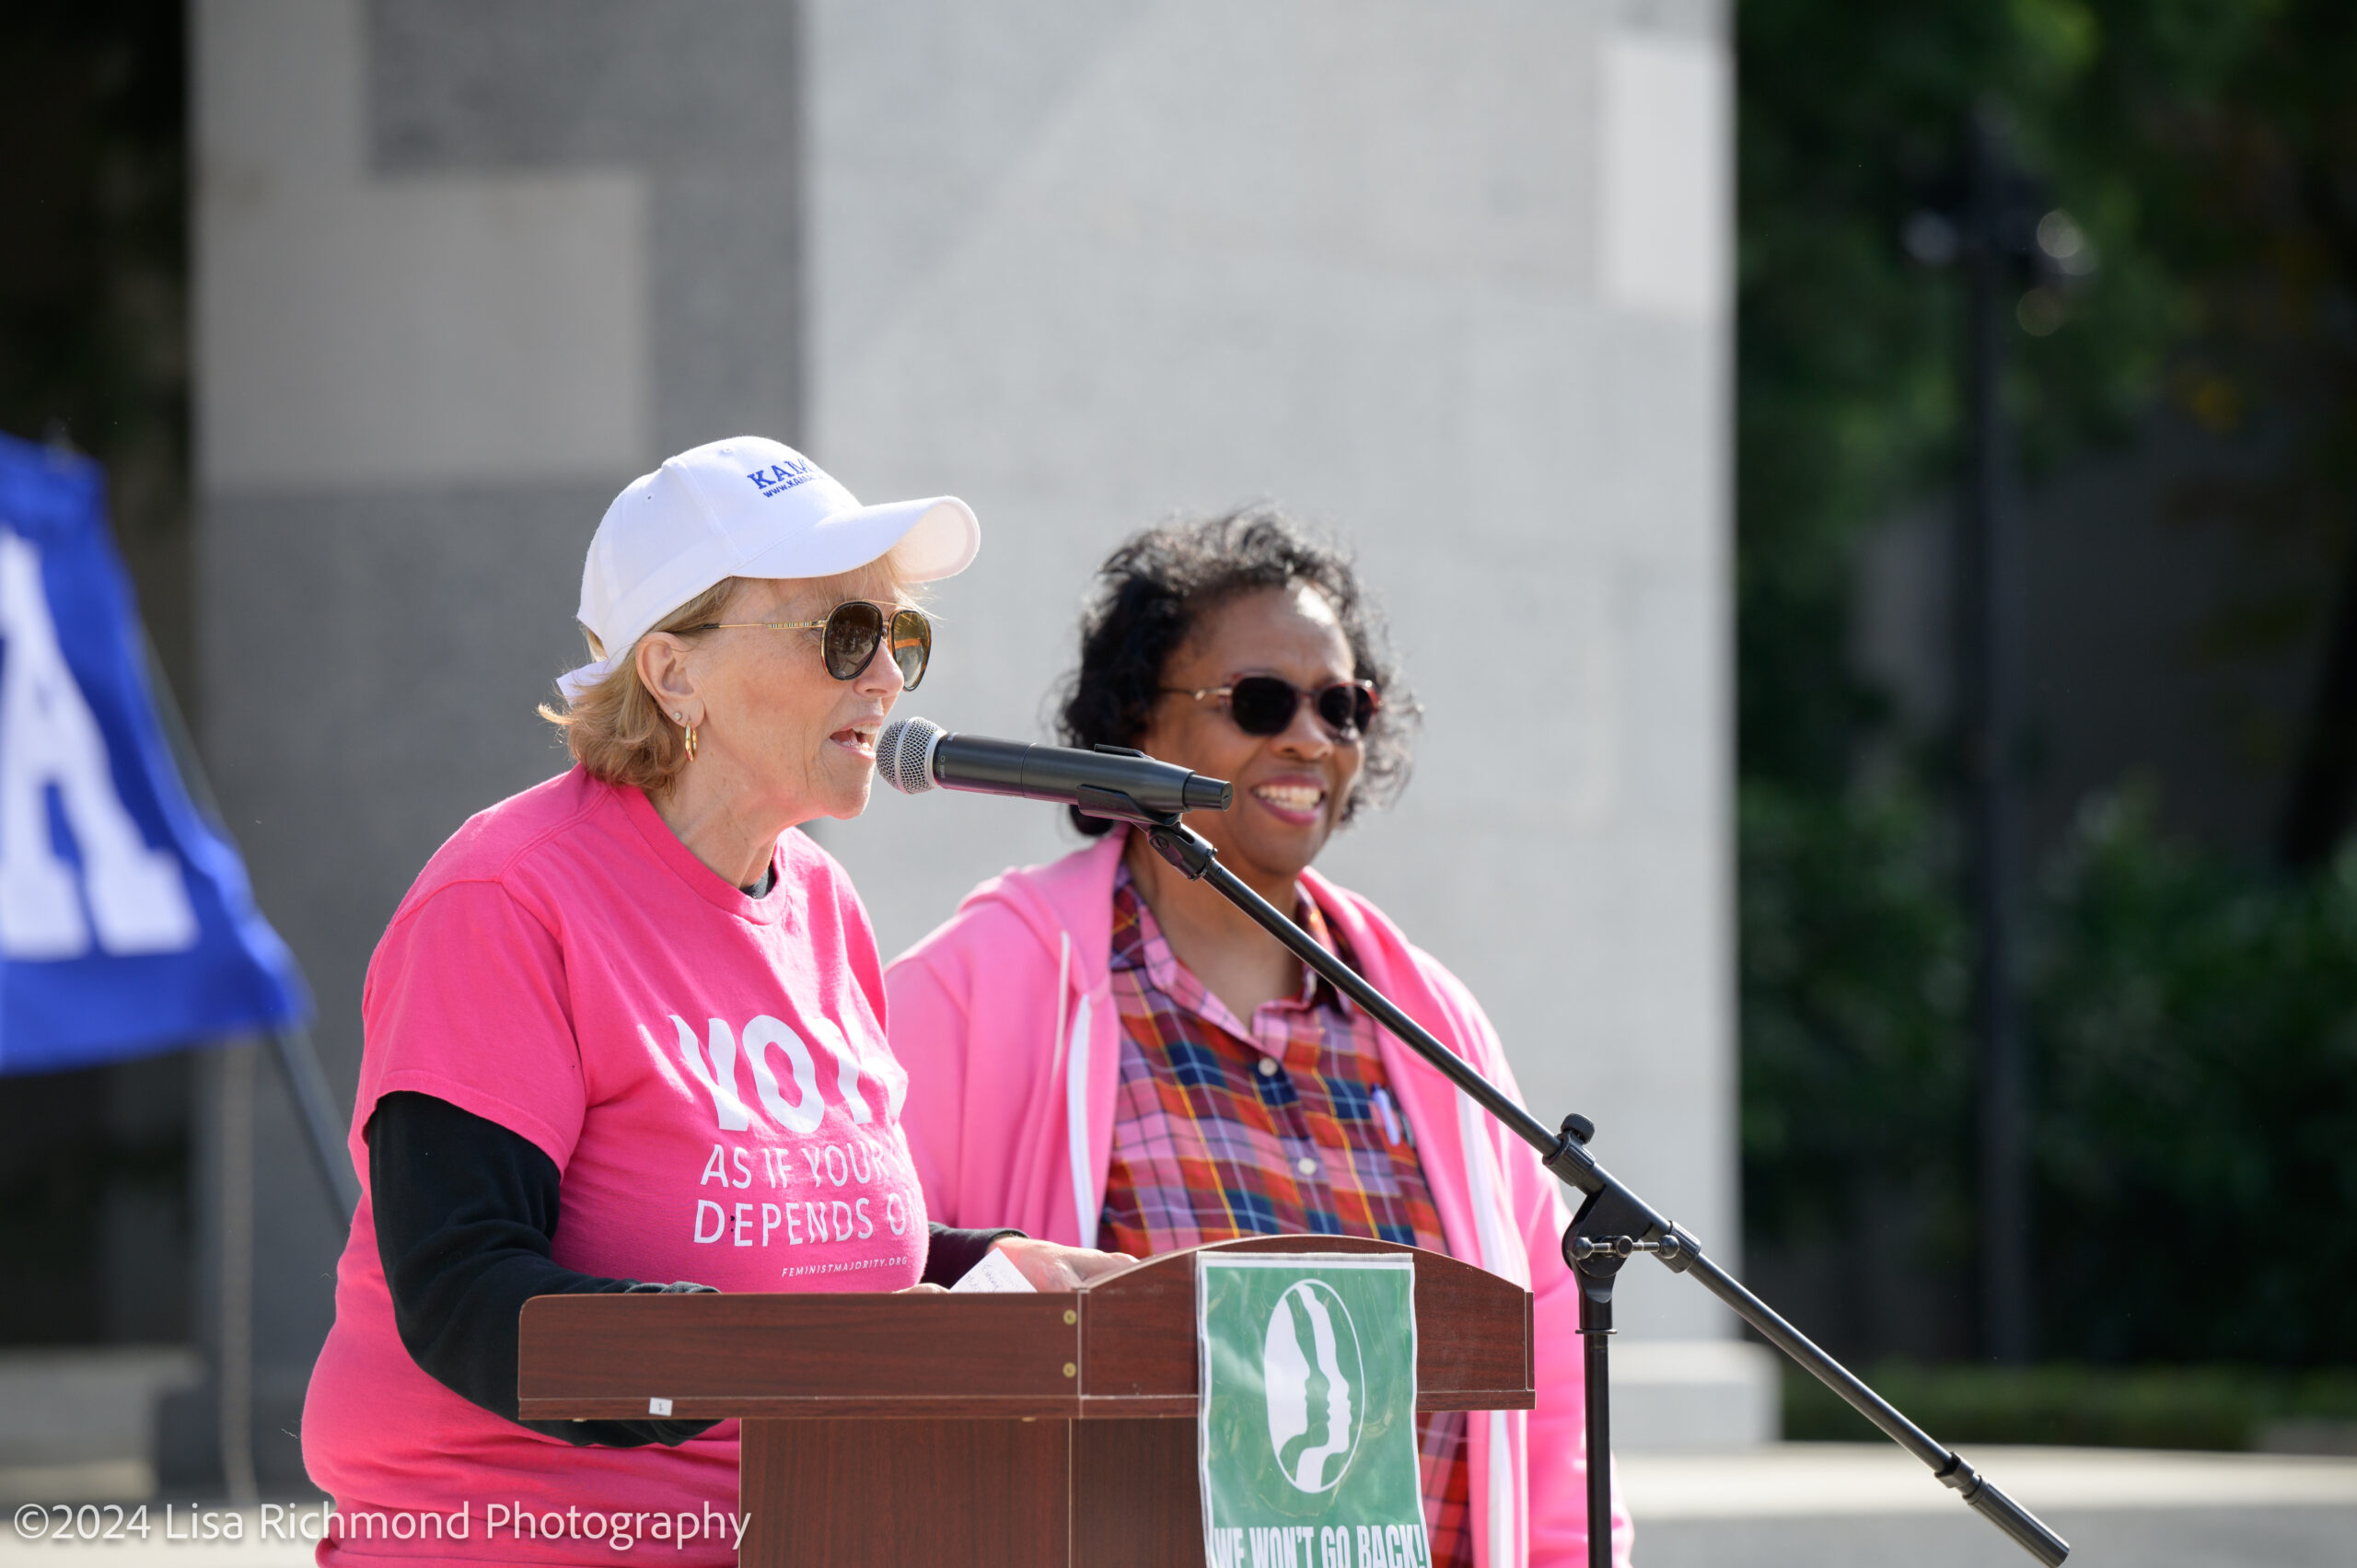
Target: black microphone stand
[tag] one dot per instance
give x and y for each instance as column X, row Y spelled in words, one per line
column 1612, row 1226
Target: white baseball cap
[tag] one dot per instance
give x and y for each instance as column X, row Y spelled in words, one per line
column 746, row 507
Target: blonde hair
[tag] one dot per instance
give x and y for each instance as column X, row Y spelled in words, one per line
column 615, row 729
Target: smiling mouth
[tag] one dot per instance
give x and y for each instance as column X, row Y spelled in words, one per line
column 859, row 737
column 1304, row 799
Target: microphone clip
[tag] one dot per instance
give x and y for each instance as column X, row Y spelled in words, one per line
column 1115, row 806
column 1179, row 844
column 1118, row 805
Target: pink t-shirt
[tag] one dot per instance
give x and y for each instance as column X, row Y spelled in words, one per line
column 710, row 1074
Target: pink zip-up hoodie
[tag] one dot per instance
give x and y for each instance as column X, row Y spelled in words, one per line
column 1005, row 1020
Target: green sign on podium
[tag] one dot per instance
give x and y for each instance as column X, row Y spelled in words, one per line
column 1306, row 1436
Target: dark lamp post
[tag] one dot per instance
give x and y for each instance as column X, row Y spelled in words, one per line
column 2019, row 259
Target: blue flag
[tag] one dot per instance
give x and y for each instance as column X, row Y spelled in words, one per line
column 126, row 923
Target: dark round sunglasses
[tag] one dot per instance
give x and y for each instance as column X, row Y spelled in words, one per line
column 854, row 630
column 1264, row 705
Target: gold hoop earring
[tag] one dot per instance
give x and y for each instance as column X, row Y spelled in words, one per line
column 691, row 743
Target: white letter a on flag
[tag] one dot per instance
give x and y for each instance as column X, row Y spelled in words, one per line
column 136, row 897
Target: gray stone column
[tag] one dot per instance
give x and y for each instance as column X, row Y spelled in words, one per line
column 1452, row 279
column 462, row 271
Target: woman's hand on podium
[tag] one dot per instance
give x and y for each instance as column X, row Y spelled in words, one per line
column 1053, row 1268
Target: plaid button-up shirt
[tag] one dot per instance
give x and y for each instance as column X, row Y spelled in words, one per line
column 1281, row 1125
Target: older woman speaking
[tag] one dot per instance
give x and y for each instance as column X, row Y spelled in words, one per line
column 628, row 1025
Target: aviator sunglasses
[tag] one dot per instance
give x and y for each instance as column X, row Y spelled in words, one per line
column 854, row 630
column 1264, row 705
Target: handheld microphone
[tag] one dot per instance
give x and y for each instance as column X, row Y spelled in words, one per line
column 914, row 755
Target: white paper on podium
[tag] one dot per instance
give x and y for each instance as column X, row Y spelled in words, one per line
column 992, row 1273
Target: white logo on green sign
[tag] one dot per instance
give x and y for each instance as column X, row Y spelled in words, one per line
column 1308, row 1431
column 1310, row 1367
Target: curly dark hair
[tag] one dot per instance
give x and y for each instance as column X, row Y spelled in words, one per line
column 1155, row 590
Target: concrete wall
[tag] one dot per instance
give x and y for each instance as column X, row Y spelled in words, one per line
column 462, row 271
column 1453, row 279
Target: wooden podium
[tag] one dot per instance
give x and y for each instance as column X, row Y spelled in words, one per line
column 1047, row 1431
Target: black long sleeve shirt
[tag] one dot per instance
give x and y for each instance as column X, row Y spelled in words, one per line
column 466, row 1215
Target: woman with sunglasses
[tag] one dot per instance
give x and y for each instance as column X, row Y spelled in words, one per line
column 625, row 1032
column 1112, row 1056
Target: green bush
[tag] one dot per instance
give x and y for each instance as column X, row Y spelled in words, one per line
column 2218, row 1408
column 2193, row 1050
column 2196, row 1038
column 1855, row 1048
